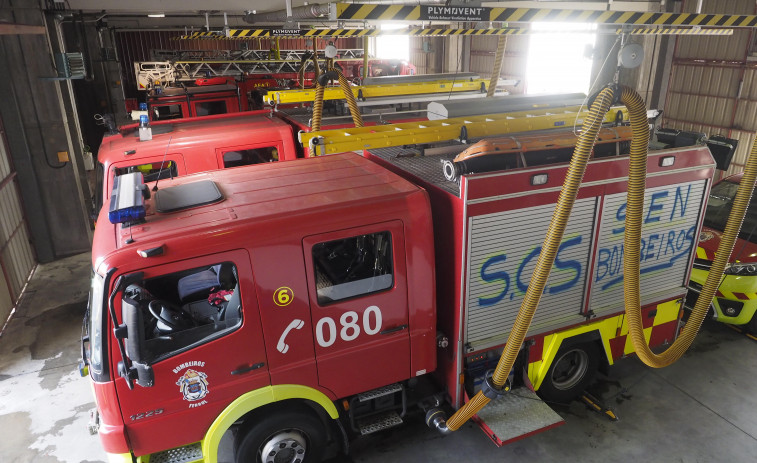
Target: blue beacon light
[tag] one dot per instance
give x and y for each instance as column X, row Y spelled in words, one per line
column 127, row 203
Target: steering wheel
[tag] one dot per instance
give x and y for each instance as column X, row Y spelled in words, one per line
column 170, row 315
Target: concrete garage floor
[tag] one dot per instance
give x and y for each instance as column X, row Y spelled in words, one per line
column 702, row 409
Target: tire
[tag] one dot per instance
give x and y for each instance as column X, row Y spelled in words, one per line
column 286, row 436
column 572, row 370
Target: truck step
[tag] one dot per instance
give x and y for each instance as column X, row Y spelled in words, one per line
column 379, row 392
column 373, row 423
column 516, row 415
column 186, row 454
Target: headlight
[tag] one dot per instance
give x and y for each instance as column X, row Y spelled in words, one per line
column 740, row 269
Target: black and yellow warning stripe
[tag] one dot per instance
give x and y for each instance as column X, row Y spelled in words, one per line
column 675, row 31
column 242, row 34
column 245, row 34
column 364, row 12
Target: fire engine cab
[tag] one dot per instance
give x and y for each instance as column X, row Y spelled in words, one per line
column 304, row 303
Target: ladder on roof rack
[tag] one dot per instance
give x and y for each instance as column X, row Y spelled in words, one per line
column 362, row 92
column 459, row 128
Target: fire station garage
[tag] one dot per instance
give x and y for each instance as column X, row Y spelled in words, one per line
column 286, row 231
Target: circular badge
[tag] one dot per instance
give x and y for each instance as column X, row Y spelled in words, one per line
column 283, row 296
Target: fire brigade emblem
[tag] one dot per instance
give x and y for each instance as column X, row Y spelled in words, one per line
column 194, row 385
column 705, row 236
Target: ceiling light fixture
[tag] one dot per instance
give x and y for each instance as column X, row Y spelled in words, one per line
column 156, row 15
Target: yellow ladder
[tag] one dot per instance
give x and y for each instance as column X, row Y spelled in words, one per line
column 460, row 128
column 375, row 91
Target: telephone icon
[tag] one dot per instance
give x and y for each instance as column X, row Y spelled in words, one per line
column 296, row 324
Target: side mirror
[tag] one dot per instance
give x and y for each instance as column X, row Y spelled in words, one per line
column 140, row 369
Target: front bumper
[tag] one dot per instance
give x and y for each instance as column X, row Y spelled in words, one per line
column 735, row 301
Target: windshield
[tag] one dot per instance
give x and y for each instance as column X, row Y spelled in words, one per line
column 96, row 323
column 719, row 207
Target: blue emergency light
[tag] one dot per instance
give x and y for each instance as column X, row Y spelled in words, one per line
column 127, row 203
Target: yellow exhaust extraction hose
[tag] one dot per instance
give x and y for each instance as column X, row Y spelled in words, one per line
column 315, row 125
column 631, row 244
column 357, row 118
column 546, row 258
column 501, row 43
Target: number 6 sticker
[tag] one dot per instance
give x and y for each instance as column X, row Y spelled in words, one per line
column 283, row 296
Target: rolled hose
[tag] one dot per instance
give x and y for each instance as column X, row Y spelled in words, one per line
column 632, row 239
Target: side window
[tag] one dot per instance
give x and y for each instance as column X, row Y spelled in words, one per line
column 186, row 308
column 250, row 156
column 151, row 171
column 352, row 267
column 208, row 108
column 164, row 112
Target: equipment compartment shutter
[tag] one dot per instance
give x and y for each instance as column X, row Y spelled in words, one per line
column 667, row 234
column 17, row 259
column 502, row 249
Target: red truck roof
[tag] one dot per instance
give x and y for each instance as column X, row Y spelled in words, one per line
column 314, row 194
column 187, row 131
column 195, row 145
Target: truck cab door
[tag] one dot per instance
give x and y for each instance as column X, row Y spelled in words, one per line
column 202, row 338
column 357, row 283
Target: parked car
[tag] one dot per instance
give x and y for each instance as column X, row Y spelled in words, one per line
column 735, row 301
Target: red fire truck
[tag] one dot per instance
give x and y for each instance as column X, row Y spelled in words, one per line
column 303, row 303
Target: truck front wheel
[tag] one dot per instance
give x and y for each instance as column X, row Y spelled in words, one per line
column 571, row 371
column 282, row 437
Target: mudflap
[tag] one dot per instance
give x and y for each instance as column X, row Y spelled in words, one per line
column 515, row 415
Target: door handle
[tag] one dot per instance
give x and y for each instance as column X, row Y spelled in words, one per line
column 394, row 330
column 244, row 370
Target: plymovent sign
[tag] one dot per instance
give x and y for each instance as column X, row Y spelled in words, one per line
column 454, row 13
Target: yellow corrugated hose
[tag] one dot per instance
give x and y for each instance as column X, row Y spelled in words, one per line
column 546, row 258
column 357, row 119
column 634, row 213
column 497, row 69
column 632, row 239
column 315, row 125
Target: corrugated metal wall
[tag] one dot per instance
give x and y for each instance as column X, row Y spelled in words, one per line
column 482, row 55
column 427, row 58
column 713, row 82
column 17, row 258
column 135, row 46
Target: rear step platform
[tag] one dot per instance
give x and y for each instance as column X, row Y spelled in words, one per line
column 516, row 415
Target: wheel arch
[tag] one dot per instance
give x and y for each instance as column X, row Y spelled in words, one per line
column 600, row 335
column 258, row 400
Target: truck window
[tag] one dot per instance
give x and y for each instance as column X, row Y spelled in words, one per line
column 352, row 267
column 165, row 112
column 250, row 156
column 151, row 171
column 208, row 108
column 184, row 309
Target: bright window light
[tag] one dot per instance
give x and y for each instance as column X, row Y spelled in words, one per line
column 393, row 46
column 556, row 61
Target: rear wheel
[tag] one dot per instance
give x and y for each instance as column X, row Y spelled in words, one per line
column 572, row 370
column 281, row 437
